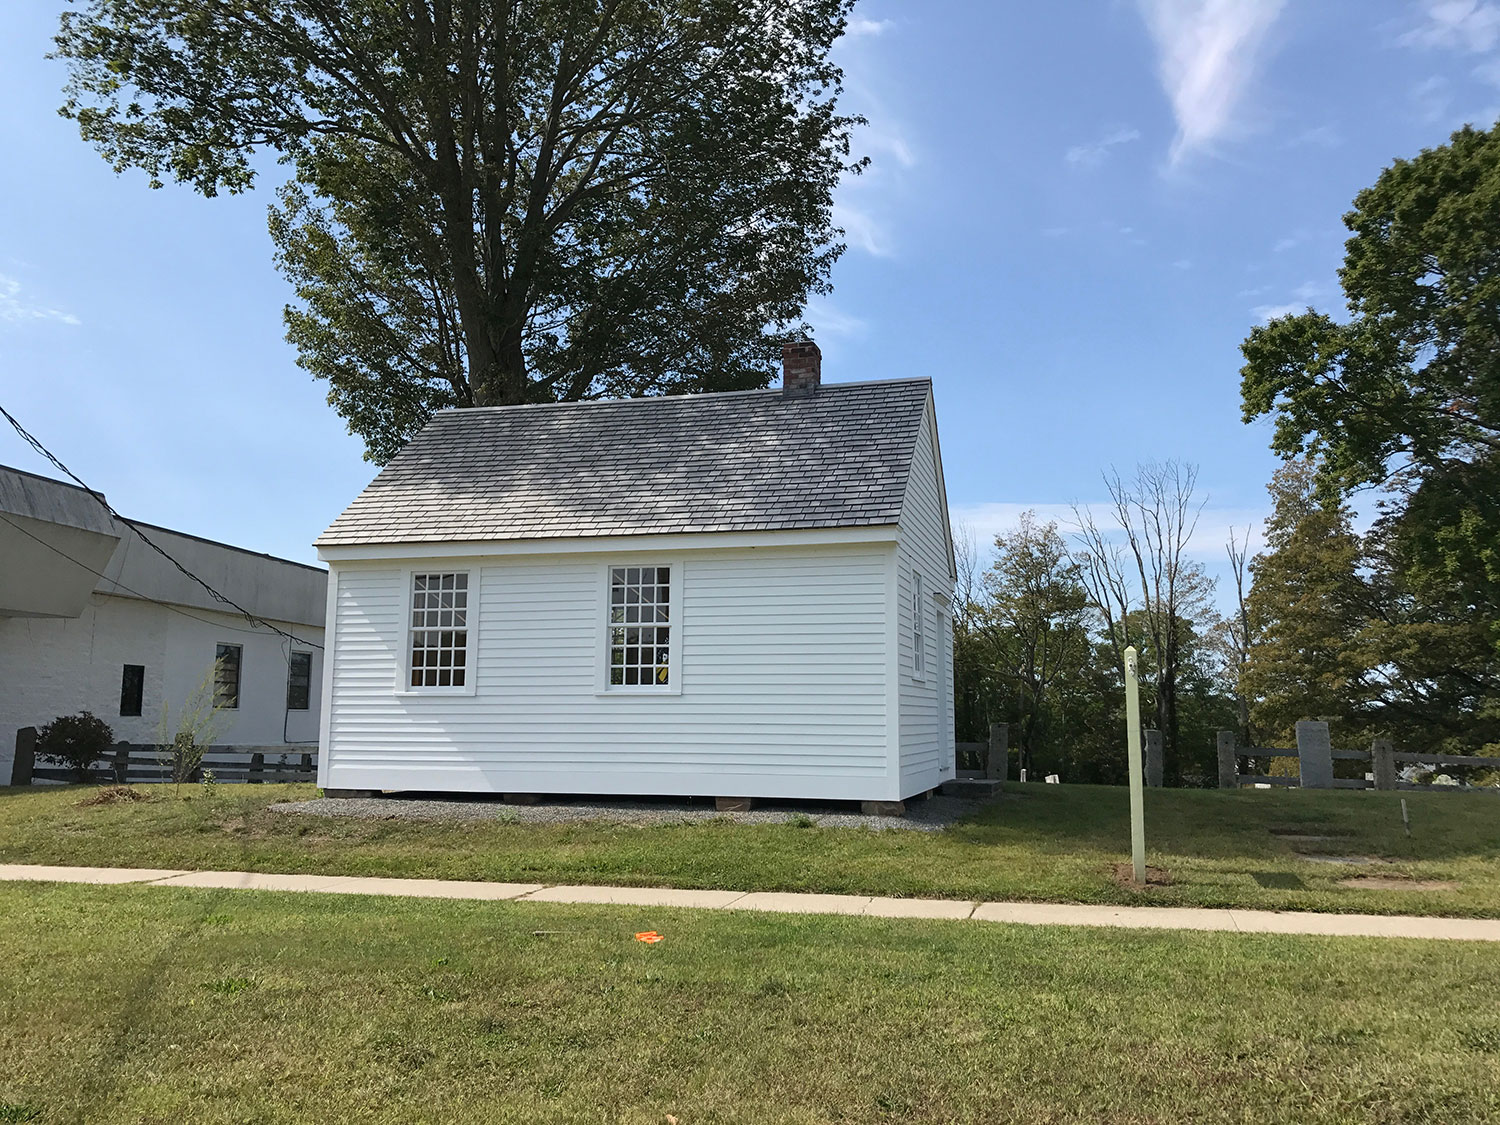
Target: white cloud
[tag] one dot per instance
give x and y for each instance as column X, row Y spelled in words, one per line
column 1267, row 313
column 15, row 308
column 873, row 141
column 1209, row 52
column 860, row 25
column 1431, row 98
column 986, row 520
column 861, row 229
column 1094, row 154
column 1458, row 25
column 827, row 320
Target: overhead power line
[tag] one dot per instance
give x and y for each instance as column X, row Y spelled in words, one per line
column 213, row 593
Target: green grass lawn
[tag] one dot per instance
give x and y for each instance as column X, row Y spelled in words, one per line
column 1046, row 842
column 130, row 1004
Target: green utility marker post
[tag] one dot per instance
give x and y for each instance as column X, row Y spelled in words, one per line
column 1137, row 781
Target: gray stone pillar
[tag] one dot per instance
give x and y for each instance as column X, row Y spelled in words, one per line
column 1153, row 759
column 122, row 762
column 1229, row 763
column 20, row 770
column 1314, row 755
column 997, row 764
column 1383, row 763
column 257, row 767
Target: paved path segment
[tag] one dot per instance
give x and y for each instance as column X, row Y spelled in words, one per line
column 1016, row 913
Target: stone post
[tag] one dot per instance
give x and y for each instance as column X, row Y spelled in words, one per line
column 1383, row 763
column 122, row 762
column 997, row 764
column 1229, row 762
column 20, row 770
column 1153, row 759
column 1314, row 755
column 257, row 766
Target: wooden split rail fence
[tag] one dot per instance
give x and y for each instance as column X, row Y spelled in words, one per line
column 128, row 763
column 1315, row 757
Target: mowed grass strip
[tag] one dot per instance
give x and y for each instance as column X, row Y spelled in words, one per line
column 1042, row 843
column 131, row 1004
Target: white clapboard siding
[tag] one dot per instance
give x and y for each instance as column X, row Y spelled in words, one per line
column 926, row 704
column 781, row 656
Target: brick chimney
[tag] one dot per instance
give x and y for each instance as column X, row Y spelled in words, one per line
column 801, row 367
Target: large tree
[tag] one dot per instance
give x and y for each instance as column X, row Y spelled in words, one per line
column 498, row 201
column 1037, row 619
column 1305, row 611
column 1403, row 394
column 1156, row 514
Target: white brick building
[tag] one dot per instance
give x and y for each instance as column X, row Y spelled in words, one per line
column 91, row 618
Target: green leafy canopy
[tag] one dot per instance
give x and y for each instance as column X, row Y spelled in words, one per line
column 498, row 201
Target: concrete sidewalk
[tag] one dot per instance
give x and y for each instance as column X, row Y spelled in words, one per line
column 1018, row 913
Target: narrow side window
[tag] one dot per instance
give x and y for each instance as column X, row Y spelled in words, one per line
column 299, row 681
column 918, row 637
column 132, row 688
column 227, row 676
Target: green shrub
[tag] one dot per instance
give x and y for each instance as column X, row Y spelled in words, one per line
column 77, row 741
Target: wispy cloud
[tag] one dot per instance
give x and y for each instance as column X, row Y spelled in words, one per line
column 17, row 308
column 862, row 230
column 1457, row 25
column 1431, row 98
column 1267, row 313
column 1209, row 53
column 860, row 25
column 827, row 320
column 1095, row 153
column 1209, row 538
column 1320, row 136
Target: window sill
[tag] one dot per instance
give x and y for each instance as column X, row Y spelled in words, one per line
column 638, row 692
column 418, row 693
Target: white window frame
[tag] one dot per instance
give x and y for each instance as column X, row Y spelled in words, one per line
column 918, row 629
column 602, row 686
column 471, row 650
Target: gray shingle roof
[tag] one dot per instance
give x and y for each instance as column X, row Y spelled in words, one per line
column 736, row 461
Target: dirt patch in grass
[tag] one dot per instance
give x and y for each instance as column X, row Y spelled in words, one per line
column 1340, row 860
column 1155, row 876
column 1307, row 832
column 114, row 795
column 1396, row 883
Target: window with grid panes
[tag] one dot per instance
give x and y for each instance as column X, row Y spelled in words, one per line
column 439, row 630
column 640, row 625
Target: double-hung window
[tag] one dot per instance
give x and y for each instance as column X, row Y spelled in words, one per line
column 439, row 633
column 918, row 630
column 640, row 627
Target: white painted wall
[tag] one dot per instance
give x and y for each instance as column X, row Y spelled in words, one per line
column 59, row 666
column 781, row 654
column 926, row 703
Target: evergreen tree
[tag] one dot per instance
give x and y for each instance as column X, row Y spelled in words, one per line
column 1306, row 608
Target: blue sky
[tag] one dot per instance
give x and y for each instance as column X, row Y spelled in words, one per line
column 1075, row 213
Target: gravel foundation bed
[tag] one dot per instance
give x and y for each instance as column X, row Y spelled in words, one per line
column 921, row 816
